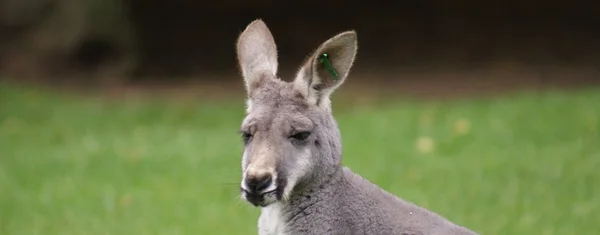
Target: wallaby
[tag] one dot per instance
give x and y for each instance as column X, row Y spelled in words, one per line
column 292, row 154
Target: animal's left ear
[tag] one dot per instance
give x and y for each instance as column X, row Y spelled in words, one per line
column 327, row 68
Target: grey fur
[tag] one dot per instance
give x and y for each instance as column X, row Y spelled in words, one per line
column 311, row 192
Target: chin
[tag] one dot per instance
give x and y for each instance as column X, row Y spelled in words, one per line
column 261, row 200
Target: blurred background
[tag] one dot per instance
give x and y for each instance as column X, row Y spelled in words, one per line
column 120, row 116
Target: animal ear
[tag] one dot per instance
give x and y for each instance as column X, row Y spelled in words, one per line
column 257, row 54
column 327, row 68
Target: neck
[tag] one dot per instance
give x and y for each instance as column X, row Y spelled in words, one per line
column 318, row 182
column 317, row 194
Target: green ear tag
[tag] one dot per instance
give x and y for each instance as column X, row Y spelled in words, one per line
column 324, row 59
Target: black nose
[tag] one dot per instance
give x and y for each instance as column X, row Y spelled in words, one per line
column 256, row 184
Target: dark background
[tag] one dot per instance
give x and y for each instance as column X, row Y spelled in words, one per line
column 133, row 41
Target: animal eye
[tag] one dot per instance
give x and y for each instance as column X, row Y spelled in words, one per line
column 246, row 136
column 301, row 135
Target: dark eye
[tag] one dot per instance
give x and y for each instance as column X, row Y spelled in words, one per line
column 301, row 135
column 246, row 136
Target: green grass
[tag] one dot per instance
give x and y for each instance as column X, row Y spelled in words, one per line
column 528, row 163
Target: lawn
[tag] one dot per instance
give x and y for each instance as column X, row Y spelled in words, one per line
column 528, row 163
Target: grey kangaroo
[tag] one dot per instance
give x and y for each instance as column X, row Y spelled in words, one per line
column 292, row 157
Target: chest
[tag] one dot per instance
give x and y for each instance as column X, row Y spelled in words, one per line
column 271, row 221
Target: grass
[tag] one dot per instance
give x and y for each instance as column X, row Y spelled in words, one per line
column 521, row 164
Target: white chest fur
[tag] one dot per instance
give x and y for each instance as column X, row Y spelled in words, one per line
column 270, row 221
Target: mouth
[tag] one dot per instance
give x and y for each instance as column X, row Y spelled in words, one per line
column 261, row 199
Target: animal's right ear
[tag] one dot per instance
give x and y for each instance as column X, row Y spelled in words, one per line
column 257, row 54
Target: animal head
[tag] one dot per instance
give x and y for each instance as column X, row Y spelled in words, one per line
column 290, row 137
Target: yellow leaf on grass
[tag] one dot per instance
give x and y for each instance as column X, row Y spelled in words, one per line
column 462, row 127
column 425, row 144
